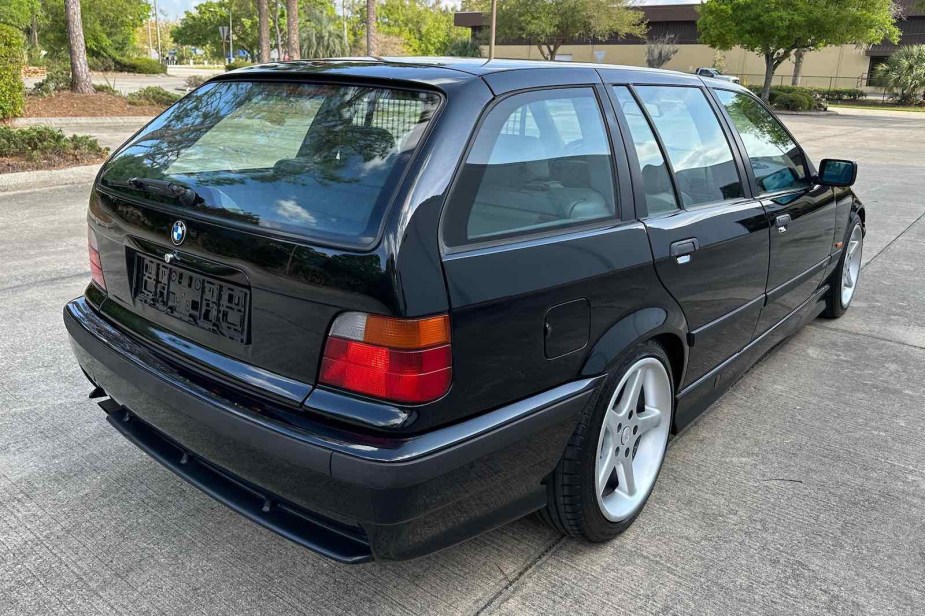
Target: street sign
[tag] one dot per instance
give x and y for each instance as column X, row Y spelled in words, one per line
column 223, row 31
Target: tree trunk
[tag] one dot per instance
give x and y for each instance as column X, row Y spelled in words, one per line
column 292, row 29
column 372, row 37
column 80, row 72
column 797, row 66
column 279, row 38
column 263, row 30
column 769, row 67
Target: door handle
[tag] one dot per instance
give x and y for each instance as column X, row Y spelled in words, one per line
column 781, row 222
column 682, row 249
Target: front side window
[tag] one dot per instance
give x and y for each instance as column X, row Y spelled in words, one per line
column 317, row 160
column 541, row 160
column 702, row 160
column 776, row 160
column 656, row 181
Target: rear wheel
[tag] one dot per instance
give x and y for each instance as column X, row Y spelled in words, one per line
column 845, row 277
column 612, row 461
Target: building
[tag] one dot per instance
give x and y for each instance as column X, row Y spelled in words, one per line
column 847, row 66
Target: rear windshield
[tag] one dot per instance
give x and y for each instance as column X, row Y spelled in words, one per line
column 317, row 160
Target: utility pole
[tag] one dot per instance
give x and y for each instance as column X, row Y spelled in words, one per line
column 157, row 31
column 230, row 35
column 494, row 23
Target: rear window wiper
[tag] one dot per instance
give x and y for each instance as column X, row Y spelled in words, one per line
column 164, row 188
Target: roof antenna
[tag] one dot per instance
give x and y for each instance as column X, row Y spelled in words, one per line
column 494, row 21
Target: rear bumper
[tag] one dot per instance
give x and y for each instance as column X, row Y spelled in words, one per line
column 348, row 496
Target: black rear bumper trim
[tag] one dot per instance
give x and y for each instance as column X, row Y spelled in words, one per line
column 312, row 531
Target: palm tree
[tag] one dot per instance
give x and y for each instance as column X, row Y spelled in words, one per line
column 324, row 39
column 263, row 30
column 292, row 28
column 372, row 39
column 904, row 74
column 80, row 71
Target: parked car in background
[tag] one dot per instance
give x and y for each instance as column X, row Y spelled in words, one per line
column 381, row 306
column 715, row 74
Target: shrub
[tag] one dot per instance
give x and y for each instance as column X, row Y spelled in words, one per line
column 153, row 95
column 35, row 142
column 57, row 78
column 12, row 95
column 795, row 101
column 102, row 88
column 147, row 66
column 904, row 74
column 237, row 64
column 194, row 81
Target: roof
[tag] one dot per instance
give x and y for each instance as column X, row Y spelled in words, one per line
column 420, row 68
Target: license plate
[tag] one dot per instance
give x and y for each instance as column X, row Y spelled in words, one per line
column 216, row 306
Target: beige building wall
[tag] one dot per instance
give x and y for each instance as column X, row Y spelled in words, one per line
column 836, row 67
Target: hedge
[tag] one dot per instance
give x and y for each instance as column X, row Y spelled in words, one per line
column 237, row 64
column 147, row 66
column 828, row 94
column 12, row 91
column 34, row 142
column 795, row 101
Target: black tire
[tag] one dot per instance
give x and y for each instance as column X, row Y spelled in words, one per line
column 571, row 503
column 833, row 304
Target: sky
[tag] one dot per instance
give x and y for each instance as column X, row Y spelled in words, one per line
column 174, row 9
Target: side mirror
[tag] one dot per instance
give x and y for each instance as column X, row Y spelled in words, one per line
column 841, row 173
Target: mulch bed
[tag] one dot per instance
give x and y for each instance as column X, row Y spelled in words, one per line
column 70, row 105
column 15, row 164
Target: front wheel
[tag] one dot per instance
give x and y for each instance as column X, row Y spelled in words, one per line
column 612, row 461
column 846, row 275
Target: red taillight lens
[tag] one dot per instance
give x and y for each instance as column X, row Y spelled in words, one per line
column 403, row 360
column 96, row 266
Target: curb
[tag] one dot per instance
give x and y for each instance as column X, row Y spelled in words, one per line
column 32, row 180
column 84, row 121
column 829, row 112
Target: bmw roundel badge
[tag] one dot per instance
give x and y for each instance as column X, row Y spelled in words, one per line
column 178, row 232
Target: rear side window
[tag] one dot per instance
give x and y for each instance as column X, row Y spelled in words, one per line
column 702, row 160
column 656, row 181
column 776, row 160
column 541, row 160
column 309, row 159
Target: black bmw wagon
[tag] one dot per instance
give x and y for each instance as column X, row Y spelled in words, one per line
column 381, row 306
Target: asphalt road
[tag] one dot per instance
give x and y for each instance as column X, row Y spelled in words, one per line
column 126, row 83
column 802, row 491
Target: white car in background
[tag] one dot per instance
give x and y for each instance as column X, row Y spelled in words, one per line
column 715, row 74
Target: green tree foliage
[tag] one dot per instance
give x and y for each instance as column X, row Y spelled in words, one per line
column 904, row 74
column 18, row 13
column 11, row 61
column 200, row 27
column 550, row 23
column 323, row 35
column 109, row 27
column 774, row 29
column 425, row 26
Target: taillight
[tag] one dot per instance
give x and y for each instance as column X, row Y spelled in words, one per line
column 96, row 266
column 403, row 360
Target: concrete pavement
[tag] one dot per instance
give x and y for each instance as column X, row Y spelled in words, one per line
column 802, row 491
column 126, row 83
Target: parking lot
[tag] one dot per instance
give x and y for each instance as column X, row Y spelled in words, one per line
column 802, row 491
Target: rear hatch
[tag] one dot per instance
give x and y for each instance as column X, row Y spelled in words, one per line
column 235, row 226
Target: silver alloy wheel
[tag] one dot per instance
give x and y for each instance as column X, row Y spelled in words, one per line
column 852, row 268
column 633, row 439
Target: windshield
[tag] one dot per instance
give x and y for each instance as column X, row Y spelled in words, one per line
column 312, row 159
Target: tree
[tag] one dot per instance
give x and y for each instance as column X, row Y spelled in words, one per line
column 425, row 26
column 292, row 29
column 660, row 50
column 550, row 23
column 372, row 42
column 109, row 27
column 324, row 38
column 263, row 30
column 904, row 74
column 80, row 71
column 200, row 27
column 774, row 29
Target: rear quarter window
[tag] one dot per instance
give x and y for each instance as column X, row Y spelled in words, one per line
column 317, row 160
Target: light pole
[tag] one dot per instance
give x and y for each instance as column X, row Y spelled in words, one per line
column 494, row 22
column 230, row 35
column 157, row 30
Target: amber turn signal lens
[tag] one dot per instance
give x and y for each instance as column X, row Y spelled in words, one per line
column 407, row 333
